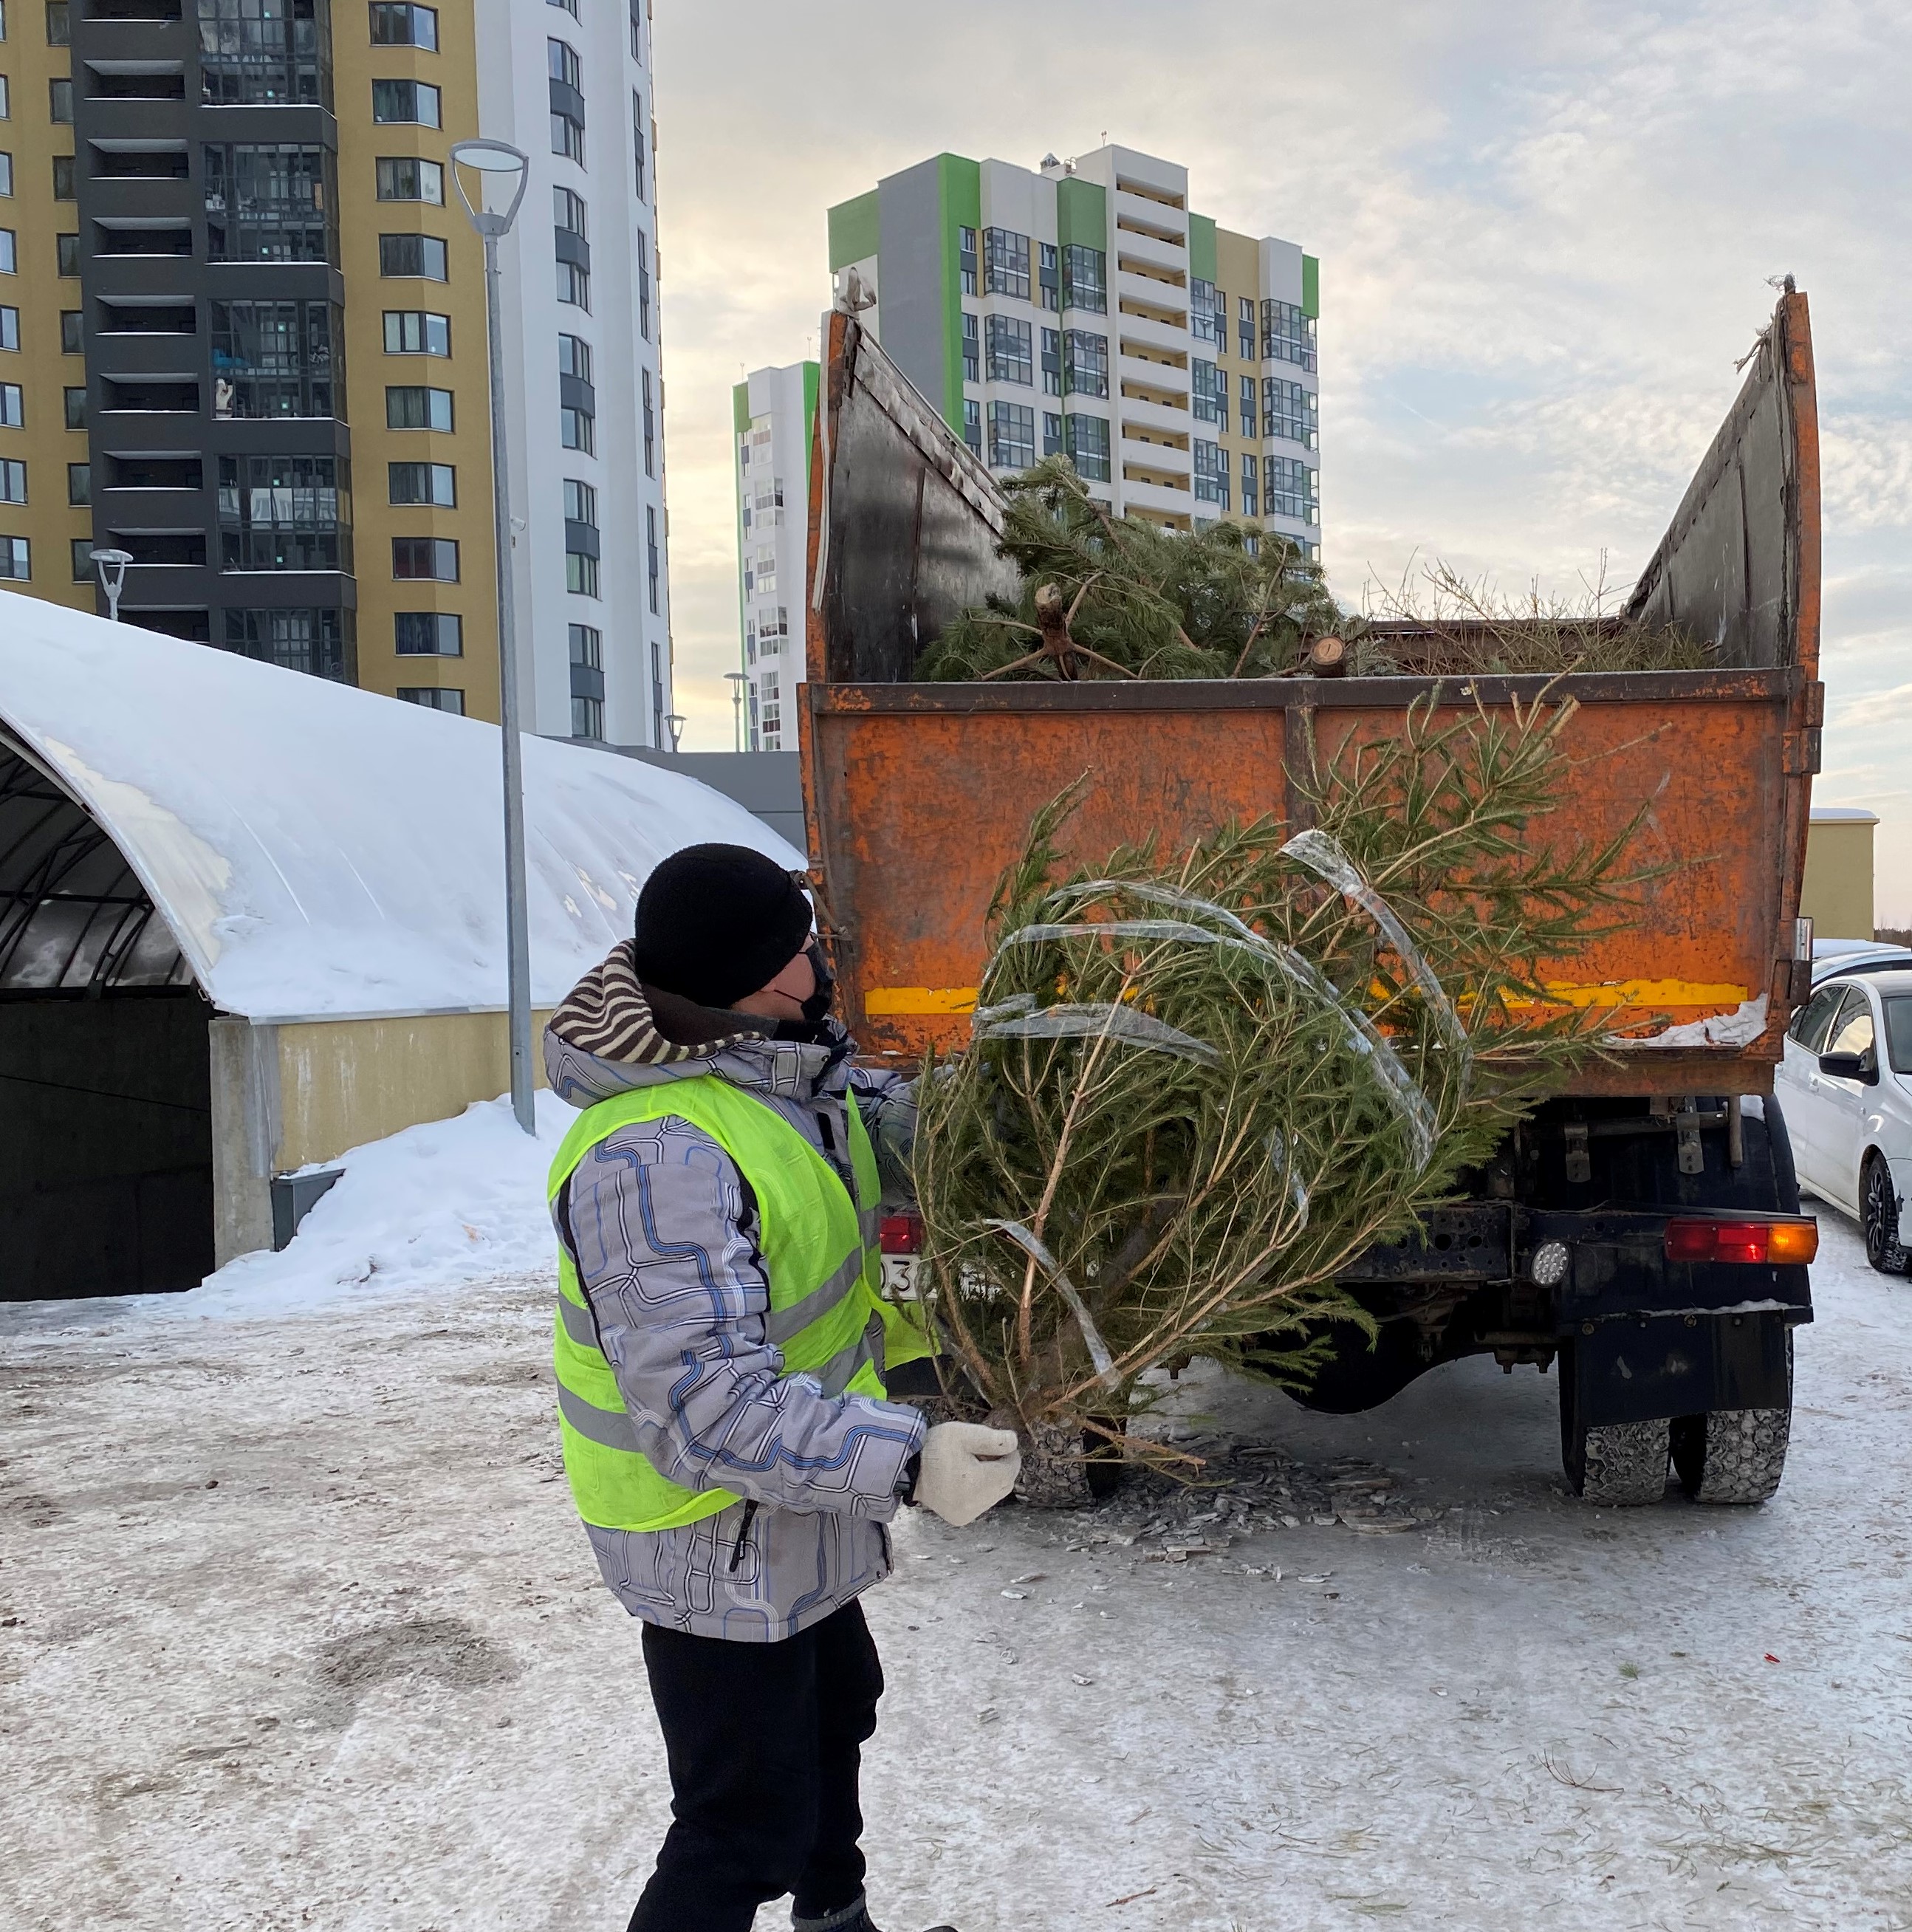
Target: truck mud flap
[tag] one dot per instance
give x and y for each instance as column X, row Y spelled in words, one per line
column 1640, row 1368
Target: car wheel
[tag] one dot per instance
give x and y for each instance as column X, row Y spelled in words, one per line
column 1878, row 1203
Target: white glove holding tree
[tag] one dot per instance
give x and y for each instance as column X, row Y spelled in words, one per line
column 965, row 1469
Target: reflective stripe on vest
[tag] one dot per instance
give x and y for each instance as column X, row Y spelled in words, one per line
column 825, row 1269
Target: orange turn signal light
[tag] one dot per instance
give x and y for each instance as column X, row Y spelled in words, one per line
column 1767, row 1243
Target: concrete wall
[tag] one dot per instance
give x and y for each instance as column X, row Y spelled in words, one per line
column 768, row 784
column 1837, row 895
column 286, row 1097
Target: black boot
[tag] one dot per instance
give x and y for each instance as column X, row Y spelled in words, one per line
column 852, row 1919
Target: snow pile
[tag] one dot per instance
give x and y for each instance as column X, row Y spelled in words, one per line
column 445, row 1203
column 1735, row 1029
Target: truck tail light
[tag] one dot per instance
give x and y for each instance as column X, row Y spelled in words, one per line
column 900, row 1234
column 1761, row 1243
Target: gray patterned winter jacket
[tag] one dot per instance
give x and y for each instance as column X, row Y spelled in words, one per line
column 663, row 1231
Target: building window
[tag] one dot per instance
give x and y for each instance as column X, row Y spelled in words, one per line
column 402, row 178
column 430, row 559
column 7, row 176
column 63, row 187
column 80, row 557
column 1012, row 436
column 577, row 429
column 580, row 573
column 649, row 427
column 66, row 255
column 573, row 285
column 1005, row 263
column 1247, row 402
column 10, row 329
column 428, row 633
column 1211, row 474
column 1207, row 317
column 59, row 103
column 435, row 484
column 966, row 258
column 580, row 547
column 59, row 24
column 404, row 27
column 417, row 332
column 406, row 104
column 565, row 67
column 1009, row 340
column 1052, row 434
column 1207, row 396
column 79, row 483
column 421, row 255
column 418, row 409
column 76, row 408
column 652, row 559
column 1287, row 335
column 263, row 55
column 13, row 405
column 770, row 710
column 72, row 332
column 567, row 108
column 274, row 359
column 587, row 647
column 569, row 6
column 568, row 137
column 643, row 284
column 308, row 640
column 1048, row 266
column 587, row 713
column 972, row 348
column 1251, row 500
column 283, row 513
column 1290, row 412
column 1289, row 488
column 270, row 203
column 581, row 503
column 10, row 258
column 13, row 481
column 16, row 560
column 1085, row 278
column 6, row 99
column 1086, row 439
column 1084, row 363
column 972, row 425
column 638, row 145
column 574, row 357
column 1052, row 361
column 570, row 213
column 1245, row 326
column 433, row 697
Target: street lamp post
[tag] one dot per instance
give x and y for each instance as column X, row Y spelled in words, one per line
column 736, row 680
column 111, row 564
column 674, row 725
column 500, row 157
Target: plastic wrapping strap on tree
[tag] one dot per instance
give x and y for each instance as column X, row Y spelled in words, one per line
column 1399, row 1086
column 1032, row 1246
column 1092, row 1022
column 1323, row 855
column 1297, row 1188
column 1114, row 929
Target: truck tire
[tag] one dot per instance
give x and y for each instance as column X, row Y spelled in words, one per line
column 1732, row 1455
column 1611, row 1465
column 1878, row 1204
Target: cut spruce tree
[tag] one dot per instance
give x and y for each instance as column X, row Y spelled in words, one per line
column 1200, row 1083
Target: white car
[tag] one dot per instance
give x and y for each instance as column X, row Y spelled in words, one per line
column 1845, row 1088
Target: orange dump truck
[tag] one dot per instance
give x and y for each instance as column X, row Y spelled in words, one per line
column 1643, row 1229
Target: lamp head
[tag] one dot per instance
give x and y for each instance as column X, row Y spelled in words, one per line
column 484, row 156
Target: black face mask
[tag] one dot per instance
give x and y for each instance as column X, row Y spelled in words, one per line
column 816, row 1008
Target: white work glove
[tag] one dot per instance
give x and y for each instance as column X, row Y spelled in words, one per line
column 966, row 1469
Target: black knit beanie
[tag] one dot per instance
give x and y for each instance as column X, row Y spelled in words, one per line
column 716, row 922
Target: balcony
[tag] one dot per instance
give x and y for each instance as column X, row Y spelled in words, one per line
column 1151, row 363
column 1152, row 252
column 1148, row 325
column 1152, row 418
column 123, row 80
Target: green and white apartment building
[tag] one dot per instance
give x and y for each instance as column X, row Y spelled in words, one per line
column 1082, row 307
column 774, row 418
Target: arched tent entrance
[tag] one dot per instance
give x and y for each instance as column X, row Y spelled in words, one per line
column 250, row 919
column 105, row 1112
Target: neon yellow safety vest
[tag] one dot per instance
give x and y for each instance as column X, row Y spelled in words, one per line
column 820, row 1250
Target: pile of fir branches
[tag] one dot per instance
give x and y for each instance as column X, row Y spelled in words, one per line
column 1201, row 1085
column 1115, row 597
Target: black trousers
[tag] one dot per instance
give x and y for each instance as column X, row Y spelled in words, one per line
column 764, row 1741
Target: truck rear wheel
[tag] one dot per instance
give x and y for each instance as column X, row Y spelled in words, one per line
column 1614, row 1464
column 1733, row 1456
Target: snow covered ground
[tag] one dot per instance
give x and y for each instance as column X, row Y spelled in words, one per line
column 297, row 1629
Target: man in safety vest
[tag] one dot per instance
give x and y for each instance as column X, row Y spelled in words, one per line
column 720, row 1344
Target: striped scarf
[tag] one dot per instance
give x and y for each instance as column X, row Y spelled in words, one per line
column 609, row 1014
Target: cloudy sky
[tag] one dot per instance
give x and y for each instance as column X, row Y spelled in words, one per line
column 1546, row 233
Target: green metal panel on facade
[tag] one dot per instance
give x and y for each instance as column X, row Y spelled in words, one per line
column 740, row 407
column 812, row 372
column 959, row 185
column 1202, row 247
column 853, row 231
column 1082, row 214
column 1310, row 286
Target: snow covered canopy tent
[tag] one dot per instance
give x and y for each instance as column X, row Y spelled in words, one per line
column 250, row 918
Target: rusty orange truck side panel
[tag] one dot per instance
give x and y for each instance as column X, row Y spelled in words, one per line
column 918, row 794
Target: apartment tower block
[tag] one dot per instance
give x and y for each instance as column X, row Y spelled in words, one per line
column 1081, row 307
column 248, row 314
column 774, row 419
